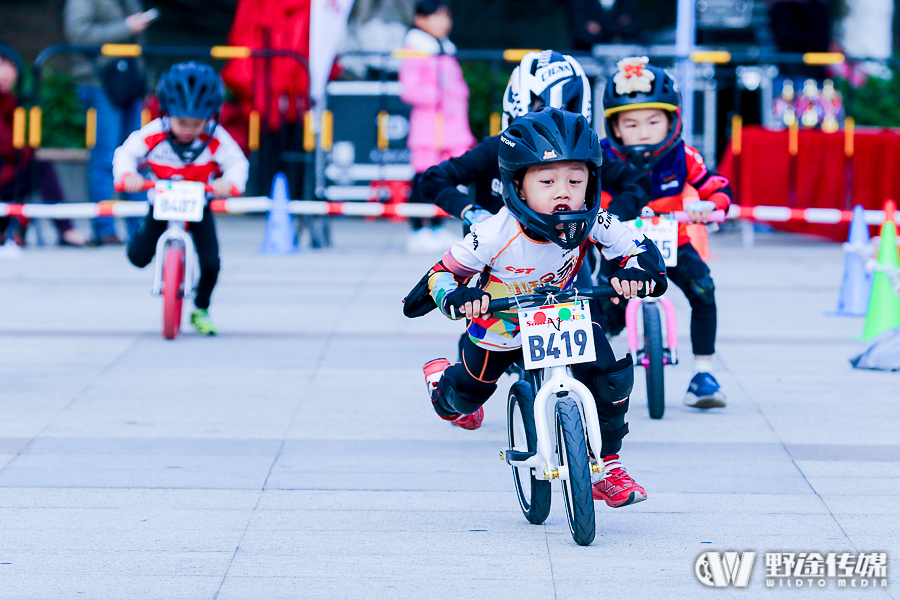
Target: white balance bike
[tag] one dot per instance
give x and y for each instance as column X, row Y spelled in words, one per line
column 556, row 332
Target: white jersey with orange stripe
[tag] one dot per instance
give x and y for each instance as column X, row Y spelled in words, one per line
column 149, row 147
column 511, row 264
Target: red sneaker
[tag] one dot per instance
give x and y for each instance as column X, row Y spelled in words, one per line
column 616, row 487
column 470, row 422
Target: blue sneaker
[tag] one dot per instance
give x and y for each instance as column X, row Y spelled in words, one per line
column 704, row 392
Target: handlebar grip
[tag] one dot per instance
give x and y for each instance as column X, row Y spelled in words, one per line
column 499, row 304
column 717, row 216
column 602, row 291
column 147, row 185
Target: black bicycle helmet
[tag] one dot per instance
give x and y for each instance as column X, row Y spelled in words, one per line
column 637, row 85
column 547, row 136
column 192, row 90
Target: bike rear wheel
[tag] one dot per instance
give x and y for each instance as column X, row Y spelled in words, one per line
column 572, row 453
column 653, row 353
column 534, row 494
column 172, row 290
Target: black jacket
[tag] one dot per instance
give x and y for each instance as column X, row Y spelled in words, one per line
column 479, row 167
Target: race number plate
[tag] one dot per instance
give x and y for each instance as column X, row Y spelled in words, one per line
column 663, row 233
column 559, row 334
column 179, row 201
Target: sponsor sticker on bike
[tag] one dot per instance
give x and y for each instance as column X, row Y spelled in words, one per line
column 179, row 201
column 558, row 334
column 663, row 232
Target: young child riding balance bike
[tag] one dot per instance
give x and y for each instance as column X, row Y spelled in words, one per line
column 185, row 143
column 549, row 165
column 642, row 105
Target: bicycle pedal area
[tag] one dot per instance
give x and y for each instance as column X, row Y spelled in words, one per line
column 296, row 454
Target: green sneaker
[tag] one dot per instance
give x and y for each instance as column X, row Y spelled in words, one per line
column 200, row 321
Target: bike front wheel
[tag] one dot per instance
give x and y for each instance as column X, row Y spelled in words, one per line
column 653, row 354
column 172, row 290
column 573, row 457
column 534, row 494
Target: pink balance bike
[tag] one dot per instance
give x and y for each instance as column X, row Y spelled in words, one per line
column 658, row 350
column 179, row 203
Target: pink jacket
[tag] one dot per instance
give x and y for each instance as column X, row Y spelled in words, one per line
column 432, row 83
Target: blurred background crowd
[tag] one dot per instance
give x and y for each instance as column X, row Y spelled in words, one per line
column 371, row 126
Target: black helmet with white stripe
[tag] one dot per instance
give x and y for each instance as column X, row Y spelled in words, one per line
column 546, row 79
column 548, row 136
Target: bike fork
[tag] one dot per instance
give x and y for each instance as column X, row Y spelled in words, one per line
column 670, row 353
column 558, row 385
column 172, row 234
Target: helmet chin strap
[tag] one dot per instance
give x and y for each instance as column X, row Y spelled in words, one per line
column 187, row 152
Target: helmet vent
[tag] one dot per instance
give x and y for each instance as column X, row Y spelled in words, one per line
column 548, row 136
column 560, row 123
column 578, row 130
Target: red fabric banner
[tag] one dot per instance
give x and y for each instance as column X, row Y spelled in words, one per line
column 765, row 166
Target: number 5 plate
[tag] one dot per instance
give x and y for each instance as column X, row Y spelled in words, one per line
column 179, row 201
column 559, row 334
column 663, row 233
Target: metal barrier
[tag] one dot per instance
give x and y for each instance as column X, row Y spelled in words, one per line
column 135, row 50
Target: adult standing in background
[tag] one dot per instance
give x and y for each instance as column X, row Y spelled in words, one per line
column 113, row 87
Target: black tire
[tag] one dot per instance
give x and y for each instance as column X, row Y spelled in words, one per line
column 572, row 453
column 653, row 350
column 534, row 494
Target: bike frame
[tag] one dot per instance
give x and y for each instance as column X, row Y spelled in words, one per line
column 175, row 232
column 670, row 353
column 558, row 384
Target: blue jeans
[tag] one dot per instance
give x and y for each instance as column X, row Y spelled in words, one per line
column 114, row 124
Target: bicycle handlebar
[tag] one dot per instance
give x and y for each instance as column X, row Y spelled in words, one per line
column 682, row 216
column 149, row 184
column 539, row 298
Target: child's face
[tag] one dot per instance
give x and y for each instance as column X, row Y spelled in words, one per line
column 438, row 24
column 641, row 127
column 555, row 187
column 187, row 129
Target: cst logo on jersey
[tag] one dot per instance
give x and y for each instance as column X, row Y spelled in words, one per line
column 520, row 271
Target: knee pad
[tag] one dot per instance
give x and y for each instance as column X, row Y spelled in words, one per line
column 705, row 289
column 611, row 434
column 614, row 386
column 462, row 402
column 615, row 427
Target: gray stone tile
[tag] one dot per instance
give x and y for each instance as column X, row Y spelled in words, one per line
column 364, row 586
column 63, row 586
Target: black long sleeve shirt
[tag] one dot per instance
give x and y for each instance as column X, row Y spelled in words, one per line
column 479, row 167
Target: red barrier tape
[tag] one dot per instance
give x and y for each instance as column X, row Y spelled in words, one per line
column 117, row 208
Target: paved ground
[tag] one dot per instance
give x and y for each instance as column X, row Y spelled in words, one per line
column 296, row 456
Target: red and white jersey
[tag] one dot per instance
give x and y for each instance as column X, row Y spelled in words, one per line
column 149, row 147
